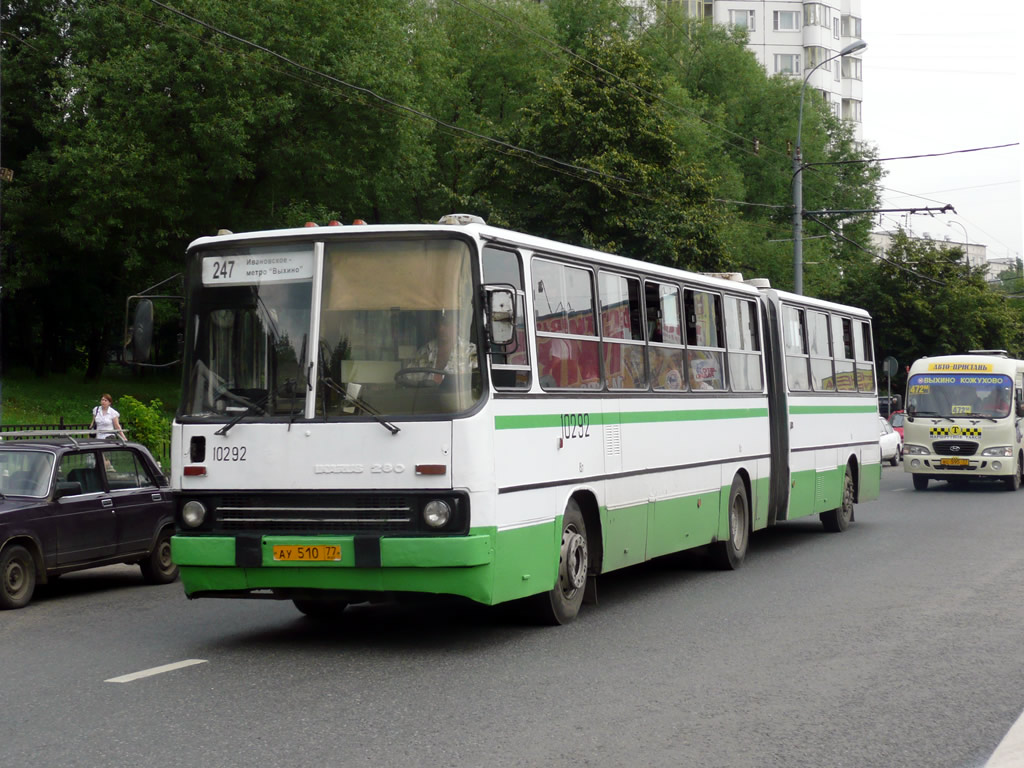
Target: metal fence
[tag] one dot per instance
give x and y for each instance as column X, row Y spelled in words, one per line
column 162, row 454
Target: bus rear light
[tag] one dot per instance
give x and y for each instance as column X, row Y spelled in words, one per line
column 195, row 471
column 431, row 469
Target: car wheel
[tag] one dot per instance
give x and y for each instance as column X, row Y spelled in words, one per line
column 561, row 604
column 895, row 458
column 18, row 571
column 158, row 568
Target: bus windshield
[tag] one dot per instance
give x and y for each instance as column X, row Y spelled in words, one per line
column 396, row 334
column 959, row 395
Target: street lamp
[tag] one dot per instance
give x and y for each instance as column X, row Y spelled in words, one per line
column 798, row 180
column 967, row 245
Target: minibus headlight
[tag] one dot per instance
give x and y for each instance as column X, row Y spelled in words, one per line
column 437, row 513
column 193, row 514
column 998, row 450
column 913, row 450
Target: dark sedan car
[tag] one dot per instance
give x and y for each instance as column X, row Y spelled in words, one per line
column 67, row 505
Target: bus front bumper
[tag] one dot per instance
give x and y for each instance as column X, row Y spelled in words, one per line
column 244, row 565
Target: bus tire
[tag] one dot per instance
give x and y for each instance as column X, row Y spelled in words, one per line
column 838, row 519
column 561, row 604
column 920, row 482
column 728, row 555
column 320, row 608
column 1013, row 481
column 18, row 572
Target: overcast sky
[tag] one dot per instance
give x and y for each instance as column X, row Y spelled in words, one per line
column 941, row 76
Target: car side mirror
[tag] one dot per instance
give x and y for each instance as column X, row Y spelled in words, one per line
column 67, row 488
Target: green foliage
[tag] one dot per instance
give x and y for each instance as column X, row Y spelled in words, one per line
column 146, row 424
column 642, row 133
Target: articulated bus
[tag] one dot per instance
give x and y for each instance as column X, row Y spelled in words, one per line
column 963, row 419
column 374, row 411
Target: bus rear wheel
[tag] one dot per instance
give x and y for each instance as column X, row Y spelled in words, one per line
column 839, row 519
column 728, row 555
column 561, row 604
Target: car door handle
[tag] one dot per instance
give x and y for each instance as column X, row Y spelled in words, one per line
column 108, row 502
column 157, row 497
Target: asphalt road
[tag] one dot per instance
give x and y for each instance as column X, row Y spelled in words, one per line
column 896, row 643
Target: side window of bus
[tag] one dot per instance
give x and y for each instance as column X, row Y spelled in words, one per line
column 865, row 355
column 795, row 339
column 665, row 332
column 822, row 376
column 511, row 369
column 705, row 340
column 744, row 345
column 567, row 345
column 622, row 332
column 842, row 334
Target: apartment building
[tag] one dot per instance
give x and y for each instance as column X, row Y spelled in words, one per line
column 791, row 38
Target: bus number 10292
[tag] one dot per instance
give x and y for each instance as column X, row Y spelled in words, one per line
column 575, row 425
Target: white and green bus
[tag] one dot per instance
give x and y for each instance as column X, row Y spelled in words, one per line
column 963, row 419
column 373, row 411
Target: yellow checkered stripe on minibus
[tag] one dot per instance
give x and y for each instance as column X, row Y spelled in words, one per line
column 954, row 432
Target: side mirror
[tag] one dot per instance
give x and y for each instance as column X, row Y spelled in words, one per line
column 141, row 336
column 501, row 316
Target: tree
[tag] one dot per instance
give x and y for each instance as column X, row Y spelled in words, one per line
column 621, row 183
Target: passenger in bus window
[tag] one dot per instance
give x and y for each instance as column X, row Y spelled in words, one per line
column 996, row 403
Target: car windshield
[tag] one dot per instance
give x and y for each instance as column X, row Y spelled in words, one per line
column 953, row 395
column 25, row 473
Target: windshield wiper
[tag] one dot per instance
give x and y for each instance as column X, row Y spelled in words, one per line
column 248, row 410
column 359, row 403
column 930, row 414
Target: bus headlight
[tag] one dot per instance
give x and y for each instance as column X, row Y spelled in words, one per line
column 912, row 450
column 437, row 513
column 193, row 514
column 999, row 450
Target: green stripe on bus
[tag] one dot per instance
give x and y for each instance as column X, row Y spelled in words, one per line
column 539, row 421
column 822, row 409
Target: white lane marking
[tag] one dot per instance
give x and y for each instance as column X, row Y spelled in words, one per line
column 155, row 671
column 1010, row 752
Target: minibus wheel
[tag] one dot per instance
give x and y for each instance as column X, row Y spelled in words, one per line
column 838, row 519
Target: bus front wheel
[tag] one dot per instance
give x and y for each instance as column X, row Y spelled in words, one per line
column 839, row 519
column 561, row 604
column 1013, row 481
column 920, row 482
column 728, row 555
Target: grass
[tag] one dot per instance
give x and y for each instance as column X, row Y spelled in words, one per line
column 25, row 399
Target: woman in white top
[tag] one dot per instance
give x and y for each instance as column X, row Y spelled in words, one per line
column 105, row 420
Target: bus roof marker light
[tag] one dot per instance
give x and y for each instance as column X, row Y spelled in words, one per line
column 461, row 218
column 221, row 232
column 334, row 223
column 358, row 222
column 311, row 224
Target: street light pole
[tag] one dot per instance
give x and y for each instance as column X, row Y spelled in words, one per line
column 798, row 177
